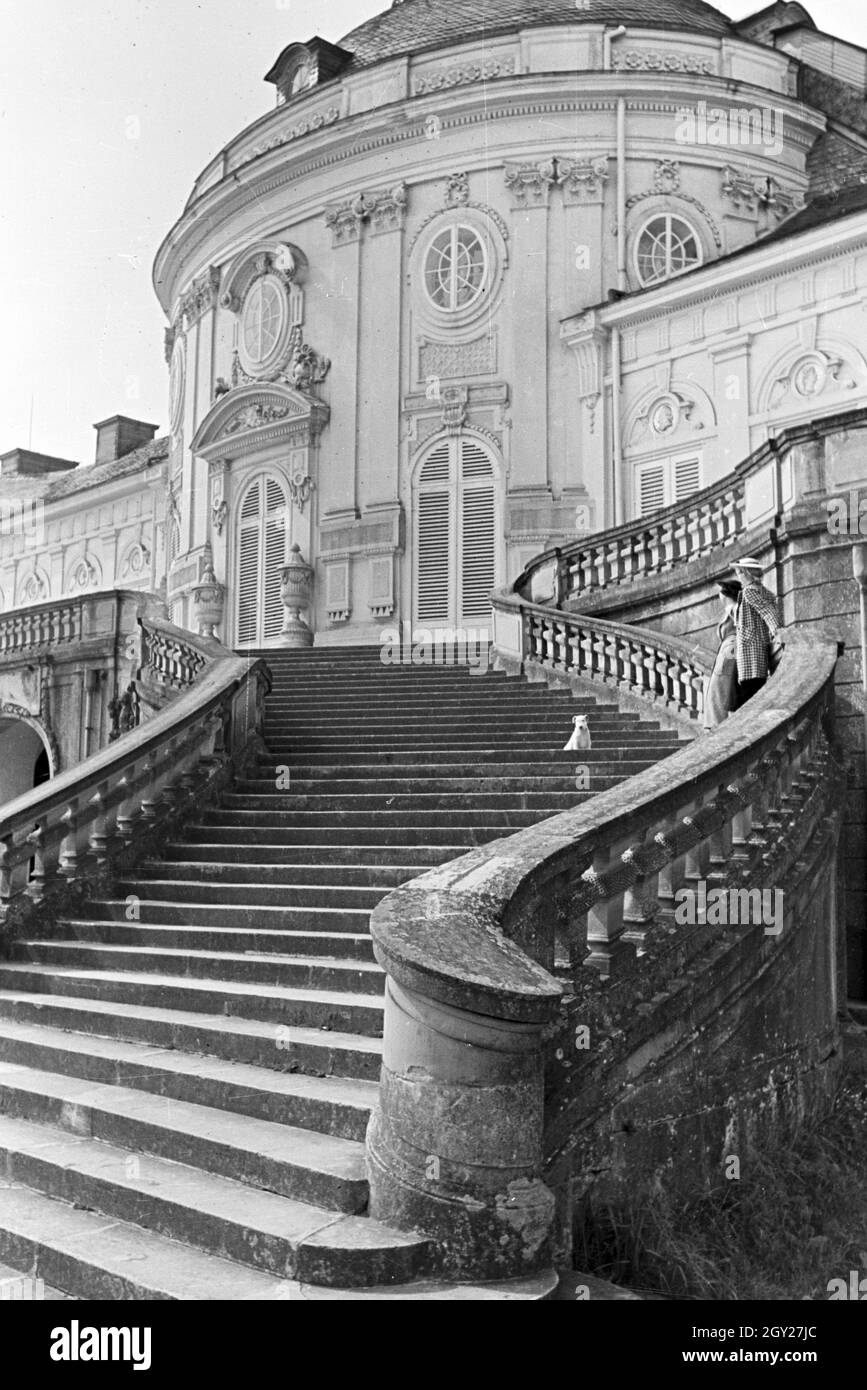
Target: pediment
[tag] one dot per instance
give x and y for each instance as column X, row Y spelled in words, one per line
column 255, row 415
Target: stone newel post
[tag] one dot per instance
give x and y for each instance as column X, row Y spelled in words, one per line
column 297, row 582
column 454, row 1147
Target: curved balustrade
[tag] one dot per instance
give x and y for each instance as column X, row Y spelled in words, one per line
column 73, row 826
column 763, row 486
column 487, row 950
column 172, row 657
column 547, row 644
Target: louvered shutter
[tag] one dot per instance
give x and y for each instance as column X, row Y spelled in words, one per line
column 248, row 567
column 478, row 532
column 275, row 559
column 687, row 478
column 434, row 538
column 651, row 489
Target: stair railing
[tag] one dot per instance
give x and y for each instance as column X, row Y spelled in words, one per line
column 484, row 953
column 74, row 826
column 712, row 521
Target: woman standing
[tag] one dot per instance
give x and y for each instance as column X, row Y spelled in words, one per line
column 720, row 696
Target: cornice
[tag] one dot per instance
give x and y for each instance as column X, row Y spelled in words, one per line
column 405, row 121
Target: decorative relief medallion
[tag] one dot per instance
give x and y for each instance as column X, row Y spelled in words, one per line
column 641, row 60
column 253, row 416
column 811, row 375
column 458, row 76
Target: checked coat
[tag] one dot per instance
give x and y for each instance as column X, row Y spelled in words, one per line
column 756, row 623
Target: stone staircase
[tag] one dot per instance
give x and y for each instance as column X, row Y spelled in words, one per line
column 187, row 1071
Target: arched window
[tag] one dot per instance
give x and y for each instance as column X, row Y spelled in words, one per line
column 457, row 530
column 261, row 555
column 666, row 246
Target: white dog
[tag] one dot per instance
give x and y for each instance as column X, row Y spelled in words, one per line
column 580, row 735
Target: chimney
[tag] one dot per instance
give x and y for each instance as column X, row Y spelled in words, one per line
column 118, row 436
column 24, row 463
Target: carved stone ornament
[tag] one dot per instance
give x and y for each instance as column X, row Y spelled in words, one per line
column 459, row 76
column 301, row 489
column 383, row 209
column 651, row 60
column 201, row 296
column 454, row 401
column 253, row 416
column 747, row 192
column 530, row 183
column 811, row 375
column 318, row 121
column 457, row 190
column 666, row 413
column 306, row 368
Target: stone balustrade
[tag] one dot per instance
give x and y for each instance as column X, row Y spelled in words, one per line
column 802, row 464
column 487, row 955
column 170, row 656
column 556, row 646
column 74, row 827
column 47, row 625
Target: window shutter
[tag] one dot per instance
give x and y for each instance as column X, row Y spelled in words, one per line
column 687, row 478
column 478, row 551
column 434, row 556
column 248, row 585
column 475, row 462
column 651, row 489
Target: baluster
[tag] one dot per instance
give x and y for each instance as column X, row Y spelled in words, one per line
column 586, row 645
column 99, row 832
column 640, row 903
column 68, row 859
column 641, row 553
column 560, row 661
column 149, row 805
column 126, row 811
column 612, row 672
column 608, row 951
column 721, row 843
column 39, row 873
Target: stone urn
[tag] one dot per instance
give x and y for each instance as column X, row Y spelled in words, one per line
column 208, row 597
column 297, row 586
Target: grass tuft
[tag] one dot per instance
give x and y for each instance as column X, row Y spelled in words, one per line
column 796, row 1219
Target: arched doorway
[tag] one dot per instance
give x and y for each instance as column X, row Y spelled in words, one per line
column 260, row 554
column 457, row 534
column 24, row 761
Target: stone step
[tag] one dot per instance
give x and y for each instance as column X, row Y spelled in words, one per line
column 537, row 744
column 244, row 914
column 295, row 859
column 410, row 804
column 379, row 836
column 329, row 1105
column 207, row 862
column 317, row 1168
column 330, row 1010
column 169, row 888
column 427, row 761
column 431, row 725
column 235, row 940
column 450, row 777
column 457, row 817
column 275, row 1046
column 275, row 1235
column 301, row 972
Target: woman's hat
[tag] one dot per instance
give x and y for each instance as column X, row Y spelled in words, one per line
column 754, row 566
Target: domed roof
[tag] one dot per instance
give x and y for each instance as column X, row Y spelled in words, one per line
column 412, row 25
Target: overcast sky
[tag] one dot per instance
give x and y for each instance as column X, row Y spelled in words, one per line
column 108, row 110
